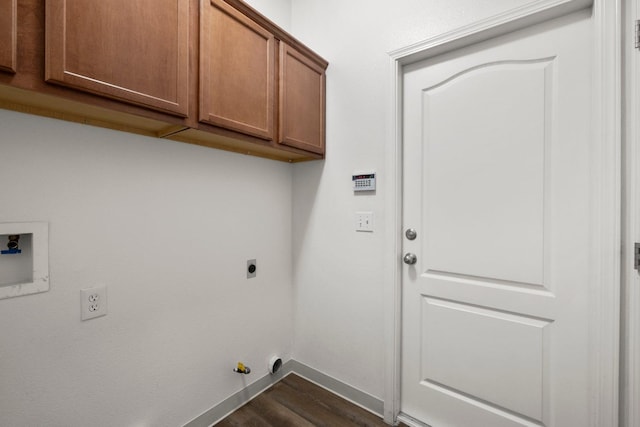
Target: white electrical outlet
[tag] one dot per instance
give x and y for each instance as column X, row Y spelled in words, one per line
column 93, row 302
column 364, row 221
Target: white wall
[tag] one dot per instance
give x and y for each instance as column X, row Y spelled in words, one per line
column 278, row 11
column 338, row 273
column 168, row 227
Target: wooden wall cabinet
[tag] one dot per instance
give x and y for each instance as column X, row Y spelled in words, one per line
column 209, row 72
column 132, row 50
column 237, row 71
column 8, row 35
column 243, row 88
column 301, row 101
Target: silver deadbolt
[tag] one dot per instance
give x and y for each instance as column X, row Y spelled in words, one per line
column 410, row 258
column 411, row 233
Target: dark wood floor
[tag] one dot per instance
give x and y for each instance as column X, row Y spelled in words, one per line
column 295, row 402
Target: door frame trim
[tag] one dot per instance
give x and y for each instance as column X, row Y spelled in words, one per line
column 630, row 349
column 605, row 207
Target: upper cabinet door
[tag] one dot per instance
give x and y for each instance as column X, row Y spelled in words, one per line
column 8, row 34
column 237, row 71
column 302, row 101
column 133, row 50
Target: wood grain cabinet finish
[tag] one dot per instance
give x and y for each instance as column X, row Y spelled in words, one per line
column 8, row 34
column 132, row 50
column 301, row 101
column 215, row 73
column 237, row 71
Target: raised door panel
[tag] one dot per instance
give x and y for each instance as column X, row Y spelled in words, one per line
column 465, row 214
column 237, row 71
column 301, row 102
column 8, row 34
column 132, row 50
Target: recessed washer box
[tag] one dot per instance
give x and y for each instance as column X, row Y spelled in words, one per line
column 24, row 270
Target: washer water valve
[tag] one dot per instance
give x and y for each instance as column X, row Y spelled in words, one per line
column 241, row 369
column 13, row 245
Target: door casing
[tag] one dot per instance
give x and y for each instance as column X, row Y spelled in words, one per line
column 604, row 288
column 630, row 333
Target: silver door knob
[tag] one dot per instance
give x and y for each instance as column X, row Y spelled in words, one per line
column 411, row 234
column 410, row 258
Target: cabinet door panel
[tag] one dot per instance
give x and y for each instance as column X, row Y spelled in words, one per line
column 8, row 34
column 237, row 71
column 302, row 99
column 132, row 50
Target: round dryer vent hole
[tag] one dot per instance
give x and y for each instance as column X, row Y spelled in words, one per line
column 275, row 364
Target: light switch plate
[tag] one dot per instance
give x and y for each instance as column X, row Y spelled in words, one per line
column 364, row 221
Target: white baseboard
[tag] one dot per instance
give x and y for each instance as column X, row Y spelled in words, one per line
column 238, row 399
column 352, row 394
column 235, row 401
column 410, row 421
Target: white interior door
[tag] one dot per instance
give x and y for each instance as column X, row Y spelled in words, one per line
column 496, row 184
